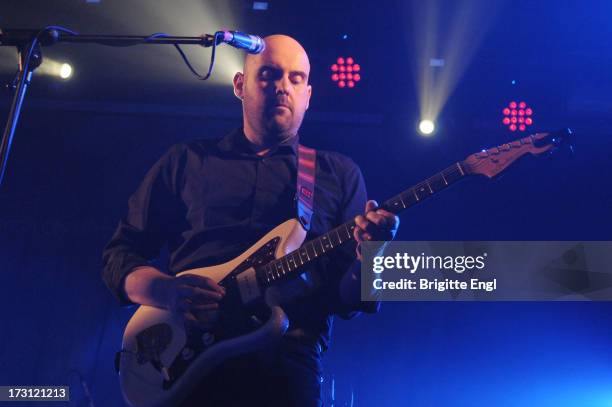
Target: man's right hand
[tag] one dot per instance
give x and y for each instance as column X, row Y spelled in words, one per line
column 193, row 297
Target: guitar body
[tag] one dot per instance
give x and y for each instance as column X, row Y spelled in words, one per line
column 162, row 359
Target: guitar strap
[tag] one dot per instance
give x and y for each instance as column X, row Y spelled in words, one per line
column 307, row 165
column 304, row 199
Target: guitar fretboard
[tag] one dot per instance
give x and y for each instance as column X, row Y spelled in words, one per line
column 291, row 265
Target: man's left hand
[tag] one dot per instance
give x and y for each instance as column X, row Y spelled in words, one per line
column 377, row 225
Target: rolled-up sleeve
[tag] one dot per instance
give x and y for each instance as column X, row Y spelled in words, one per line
column 142, row 233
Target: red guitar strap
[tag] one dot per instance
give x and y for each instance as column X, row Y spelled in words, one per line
column 307, row 165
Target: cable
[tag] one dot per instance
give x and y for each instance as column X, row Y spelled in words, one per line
column 212, row 58
column 180, row 51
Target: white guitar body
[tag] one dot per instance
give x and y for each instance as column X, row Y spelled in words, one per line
column 159, row 367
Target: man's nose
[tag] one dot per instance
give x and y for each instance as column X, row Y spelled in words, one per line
column 283, row 84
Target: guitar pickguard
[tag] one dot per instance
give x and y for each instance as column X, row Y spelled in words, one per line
column 234, row 318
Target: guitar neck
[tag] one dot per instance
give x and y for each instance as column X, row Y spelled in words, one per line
column 291, row 265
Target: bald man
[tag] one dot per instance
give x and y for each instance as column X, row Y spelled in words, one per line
column 209, row 200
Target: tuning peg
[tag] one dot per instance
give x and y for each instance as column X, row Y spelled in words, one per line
column 565, row 135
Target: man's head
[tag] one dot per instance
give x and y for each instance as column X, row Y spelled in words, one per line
column 274, row 89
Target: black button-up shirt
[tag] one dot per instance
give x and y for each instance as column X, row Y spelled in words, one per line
column 210, row 200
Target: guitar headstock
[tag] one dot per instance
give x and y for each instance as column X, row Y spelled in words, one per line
column 492, row 161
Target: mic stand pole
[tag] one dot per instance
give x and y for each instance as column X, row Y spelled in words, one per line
column 26, row 40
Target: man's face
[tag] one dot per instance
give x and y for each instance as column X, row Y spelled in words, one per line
column 274, row 88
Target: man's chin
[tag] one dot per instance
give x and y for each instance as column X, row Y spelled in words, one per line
column 280, row 125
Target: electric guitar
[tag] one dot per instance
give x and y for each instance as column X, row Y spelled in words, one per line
column 162, row 358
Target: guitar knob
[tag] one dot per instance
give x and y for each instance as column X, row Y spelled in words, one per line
column 187, row 353
column 208, row 338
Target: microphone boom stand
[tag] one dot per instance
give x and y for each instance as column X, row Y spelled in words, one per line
column 28, row 43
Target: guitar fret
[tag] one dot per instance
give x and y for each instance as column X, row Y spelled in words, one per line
column 291, row 262
column 299, row 257
column 326, row 243
column 410, row 198
column 421, row 189
column 279, row 268
column 271, row 273
column 296, row 261
column 312, row 254
column 348, row 232
column 334, row 242
column 460, row 169
column 304, row 252
column 268, row 272
column 284, row 262
column 350, row 228
column 271, row 270
column 321, row 243
column 438, row 182
column 452, row 174
column 394, row 203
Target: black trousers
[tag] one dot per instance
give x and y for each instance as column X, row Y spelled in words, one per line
column 287, row 375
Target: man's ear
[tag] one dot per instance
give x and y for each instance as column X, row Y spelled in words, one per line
column 309, row 95
column 239, row 85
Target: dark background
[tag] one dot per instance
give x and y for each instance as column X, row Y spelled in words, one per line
column 83, row 145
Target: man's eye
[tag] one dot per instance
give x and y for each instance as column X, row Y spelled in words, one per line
column 297, row 78
column 267, row 74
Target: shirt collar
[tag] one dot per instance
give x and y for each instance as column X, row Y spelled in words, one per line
column 237, row 142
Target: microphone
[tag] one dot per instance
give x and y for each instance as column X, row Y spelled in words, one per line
column 252, row 44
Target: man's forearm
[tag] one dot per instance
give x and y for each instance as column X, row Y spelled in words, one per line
column 146, row 285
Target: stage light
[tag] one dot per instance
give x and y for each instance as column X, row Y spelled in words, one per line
column 426, row 127
column 58, row 69
column 446, row 35
column 517, row 116
column 260, row 5
column 344, row 72
column 65, row 71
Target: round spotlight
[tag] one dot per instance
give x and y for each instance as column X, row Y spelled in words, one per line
column 517, row 116
column 65, row 71
column 426, row 127
column 344, row 72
